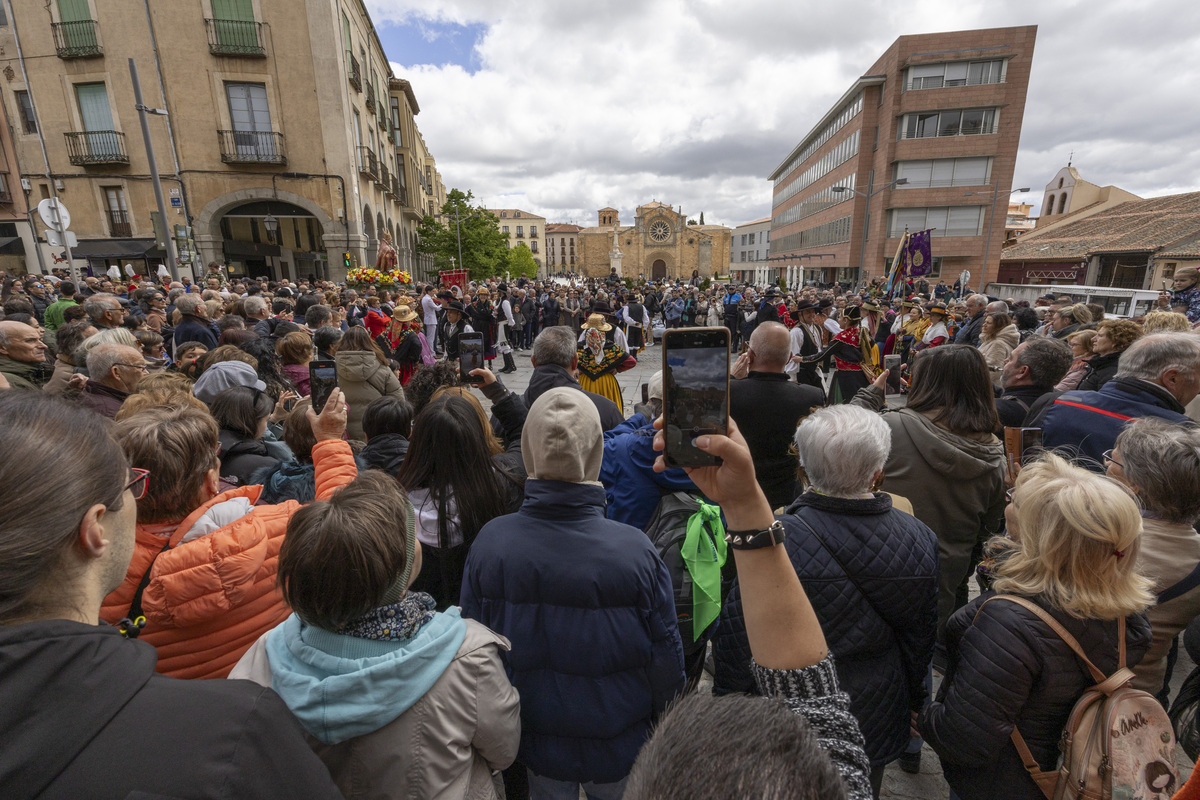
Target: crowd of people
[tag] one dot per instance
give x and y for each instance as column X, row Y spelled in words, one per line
column 430, row 586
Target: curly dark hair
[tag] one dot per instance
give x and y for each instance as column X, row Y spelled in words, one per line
column 270, row 366
column 428, row 379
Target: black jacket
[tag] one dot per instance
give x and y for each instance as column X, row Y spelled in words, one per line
column 551, row 376
column 883, row 641
column 1009, row 667
column 767, row 407
column 1014, row 404
column 385, row 452
column 1100, row 370
column 85, row 715
column 241, row 458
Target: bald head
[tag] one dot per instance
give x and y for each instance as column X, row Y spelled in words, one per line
column 771, row 347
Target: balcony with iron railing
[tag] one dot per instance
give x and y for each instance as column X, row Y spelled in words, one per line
column 6, row 197
column 384, row 179
column 383, row 115
column 367, row 163
column 252, row 147
column 404, row 197
column 77, row 39
column 235, row 37
column 87, row 148
column 118, row 224
column 353, row 74
column 395, row 187
column 370, row 99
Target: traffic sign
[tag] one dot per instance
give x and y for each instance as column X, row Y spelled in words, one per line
column 54, row 213
column 54, row 240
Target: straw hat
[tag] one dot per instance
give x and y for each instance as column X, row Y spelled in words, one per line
column 596, row 321
column 403, row 314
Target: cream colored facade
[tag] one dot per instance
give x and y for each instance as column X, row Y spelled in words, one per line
column 522, row 227
column 660, row 244
column 1069, row 197
column 278, row 108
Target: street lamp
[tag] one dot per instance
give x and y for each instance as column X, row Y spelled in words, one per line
column 991, row 214
column 271, row 224
column 458, row 218
column 866, row 215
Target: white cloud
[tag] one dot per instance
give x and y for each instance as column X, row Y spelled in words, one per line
column 576, row 105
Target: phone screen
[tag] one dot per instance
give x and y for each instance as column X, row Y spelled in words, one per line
column 470, row 356
column 696, row 392
column 892, row 364
column 322, row 376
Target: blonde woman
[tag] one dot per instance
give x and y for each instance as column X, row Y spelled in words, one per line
column 1165, row 322
column 1081, row 349
column 1072, row 550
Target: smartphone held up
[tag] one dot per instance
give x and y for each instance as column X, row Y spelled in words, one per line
column 695, row 392
column 470, row 356
column 322, row 378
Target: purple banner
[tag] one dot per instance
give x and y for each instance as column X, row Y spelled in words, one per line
column 920, row 255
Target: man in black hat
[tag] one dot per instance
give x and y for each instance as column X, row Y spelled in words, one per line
column 806, row 340
column 456, row 326
column 767, row 312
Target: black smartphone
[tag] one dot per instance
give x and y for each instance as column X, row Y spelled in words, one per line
column 322, row 378
column 470, row 356
column 695, row 392
column 290, row 404
column 892, row 365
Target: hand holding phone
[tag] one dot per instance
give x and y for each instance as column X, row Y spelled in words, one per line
column 322, row 378
column 470, row 357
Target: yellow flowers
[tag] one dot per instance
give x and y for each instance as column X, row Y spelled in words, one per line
column 370, row 275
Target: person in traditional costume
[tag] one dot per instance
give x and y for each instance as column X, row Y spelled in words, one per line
column 612, row 333
column 403, row 341
column 600, row 360
column 482, row 315
column 456, row 326
column 937, row 333
column 637, row 322
column 851, row 351
column 806, row 340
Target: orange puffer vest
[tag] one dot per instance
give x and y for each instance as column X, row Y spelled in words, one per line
column 209, row 598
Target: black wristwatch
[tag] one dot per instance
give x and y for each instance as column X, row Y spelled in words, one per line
column 753, row 540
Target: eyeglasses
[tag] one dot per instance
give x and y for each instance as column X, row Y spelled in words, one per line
column 139, row 484
column 1107, row 455
column 1008, row 495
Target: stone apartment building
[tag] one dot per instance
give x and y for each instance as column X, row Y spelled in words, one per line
column 288, row 147
column 942, row 112
column 522, row 227
column 561, row 241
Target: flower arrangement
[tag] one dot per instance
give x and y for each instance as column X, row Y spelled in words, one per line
column 369, row 276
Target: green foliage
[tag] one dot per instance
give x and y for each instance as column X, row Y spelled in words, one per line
column 704, row 284
column 521, row 263
column 691, row 222
column 484, row 248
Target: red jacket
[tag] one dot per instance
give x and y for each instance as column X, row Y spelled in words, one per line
column 211, row 597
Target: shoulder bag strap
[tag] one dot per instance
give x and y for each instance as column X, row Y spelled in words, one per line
column 1062, row 633
column 838, row 561
column 133, row 622
column 1180, row 588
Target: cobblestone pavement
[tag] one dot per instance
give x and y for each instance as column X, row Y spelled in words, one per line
column 929, row 783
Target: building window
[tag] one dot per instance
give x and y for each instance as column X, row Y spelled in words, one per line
column 951, row 221
column 533, row 247
column 25, row 105
column 752, row 238
column 251, row 120
column 517, row 214
column 1060, row 183
column 1050, row 206
column 955, row 73
column 533, row 230
column 743, row 255
column 1062, row 203
column 840, row 154
column 118, row 214
column 572, row 261
column 504, row 229
column 941, row 172
column 520, row 230
column 826, row 198
column 848, row 113
column 743, row 240
column 956, row 122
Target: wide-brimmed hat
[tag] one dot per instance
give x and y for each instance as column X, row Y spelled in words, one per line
column 806, row 305
column 869, row 305
column 938, row 308
column 596, row 322
column 602, row 308
column 825, row 305
column 456, row 305
column 403, row 314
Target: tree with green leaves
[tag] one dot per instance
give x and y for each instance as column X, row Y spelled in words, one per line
column 521, row 263
column 484, row 247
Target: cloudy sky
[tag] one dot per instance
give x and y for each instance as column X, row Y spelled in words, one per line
column 561, row 107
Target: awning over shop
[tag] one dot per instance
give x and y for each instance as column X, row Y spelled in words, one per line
column 117, row 248
column 11, row 246
column 253, row 249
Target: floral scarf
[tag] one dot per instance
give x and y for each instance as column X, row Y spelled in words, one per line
column 399, row 621
column 593, row 343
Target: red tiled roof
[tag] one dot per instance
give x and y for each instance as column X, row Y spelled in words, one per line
column 1140, row 226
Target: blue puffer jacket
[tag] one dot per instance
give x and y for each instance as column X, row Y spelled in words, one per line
column 588, row 606
column 631, row 485
column 1085, row 424
column 882, row 643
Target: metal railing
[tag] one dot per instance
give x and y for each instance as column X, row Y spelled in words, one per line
column 252, row 147
column 235, row 37
column 353, row 73
column 6, row 197
column 983, row 130
column 367, row 163
column 383, row 114
column 404, row 197
column 77, row 39
column 370, row 99
column 384, row 179
column 118, row 224
column 96, row 147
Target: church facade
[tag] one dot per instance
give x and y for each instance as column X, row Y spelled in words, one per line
column 659, row 244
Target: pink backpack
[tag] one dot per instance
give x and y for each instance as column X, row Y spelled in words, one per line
column 1118, row 741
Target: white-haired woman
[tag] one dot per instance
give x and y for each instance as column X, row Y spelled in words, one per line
column 871, row 572
column 1072, row 551
column 1160, row 462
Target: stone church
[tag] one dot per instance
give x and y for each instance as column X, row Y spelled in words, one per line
column 659, row 244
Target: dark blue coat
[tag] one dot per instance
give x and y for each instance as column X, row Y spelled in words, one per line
column 588, row 607
column 1086, row 424
column 632, row 487
column 1005, row 668
column 194, row 329
column 882, row 644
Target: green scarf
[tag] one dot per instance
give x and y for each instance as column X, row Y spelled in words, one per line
column 704, row 553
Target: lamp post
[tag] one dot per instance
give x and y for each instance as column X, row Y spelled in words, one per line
column 866, row 215
column 991, row 214
column 458, row 218
column 271, row 224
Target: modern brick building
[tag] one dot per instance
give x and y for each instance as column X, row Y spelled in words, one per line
column 943, row 112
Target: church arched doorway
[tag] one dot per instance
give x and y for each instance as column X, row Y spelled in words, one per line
column 658, row 270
